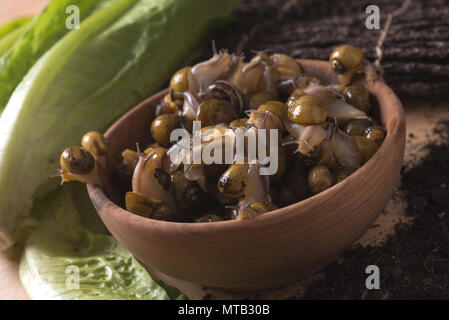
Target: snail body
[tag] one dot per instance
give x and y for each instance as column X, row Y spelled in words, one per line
column 307, row 137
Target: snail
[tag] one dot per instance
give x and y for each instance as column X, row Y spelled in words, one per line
column 233, row 181
column 320, row 178
column 346, row 60
column 306, row 137
column 178, row 153
column 97, row 145
column 285, row 67
column 365, row 146
column 180, row 82
column 241, row 123
column 190, row 106
column 201, row 160
column 189, row 195
column 222, row 66
column 302, row 81
column 168, row 106
column 270, row 115
column 152, row 181
column 212, row 112
column 258, row 99
column 257, row 75
column 224, row 90
column 356, row 127
column 269, row 72
column 307, row 110
column 295, row 95
column 340, row 150
column 243, row 182
column 336, row 107
column 358, row 97
column 126, row 168
column 162, row 126
column 376, row 133
column 139, row 204
column 78, row 164
column 145, row 207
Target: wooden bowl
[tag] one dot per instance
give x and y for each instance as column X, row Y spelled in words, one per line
column 275, row 248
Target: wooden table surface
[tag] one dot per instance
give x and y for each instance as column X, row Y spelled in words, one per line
column 421, row 117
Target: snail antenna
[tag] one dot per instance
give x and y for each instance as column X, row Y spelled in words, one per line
column 214, row 47
column 188, row 169
column 252, row 125
column 265, row 117
column 138, row 149
column 150, row 156
column 338, row 94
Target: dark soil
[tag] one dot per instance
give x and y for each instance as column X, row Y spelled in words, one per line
column 415, row 48
column 414, row 264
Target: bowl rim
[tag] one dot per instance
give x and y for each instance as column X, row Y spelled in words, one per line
column 393, row 134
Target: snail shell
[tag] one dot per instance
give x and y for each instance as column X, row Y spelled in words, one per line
column 307, row 110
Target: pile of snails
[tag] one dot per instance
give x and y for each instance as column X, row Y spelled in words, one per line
column 326, row 132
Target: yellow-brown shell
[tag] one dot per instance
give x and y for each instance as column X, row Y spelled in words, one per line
column 280, row 109
column 259, row 99
column 76, row 160
column 346, row 58
column 95, row 143
column 356, row 127
column 320, row 179
column 365, row 146
column 162, row 127
column 376, row 133
column 180, row 82
column 358, row 97
column 298, row 93
column 213, row 112
column 232, row 182
column 239, row 123
column 139, row 204
column 307, row 110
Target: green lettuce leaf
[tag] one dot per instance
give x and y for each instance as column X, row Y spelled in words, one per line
column 11, row 26
column 35, row 39
column 10, row 32
column 120, row 55
column 64, row 260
